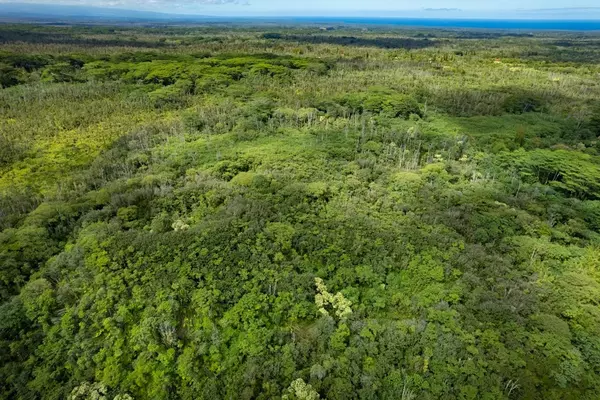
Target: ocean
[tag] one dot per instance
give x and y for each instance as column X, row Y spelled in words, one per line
column 518, row 24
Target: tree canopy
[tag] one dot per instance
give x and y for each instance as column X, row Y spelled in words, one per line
column 266, row 213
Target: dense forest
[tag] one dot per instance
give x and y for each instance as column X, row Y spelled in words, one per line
column 267, row 213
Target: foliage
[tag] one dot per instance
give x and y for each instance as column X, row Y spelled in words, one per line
column 194, row 212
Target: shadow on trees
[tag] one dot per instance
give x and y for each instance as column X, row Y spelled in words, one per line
column 509, row 117
column 489, row 35
column 468, row 102
column 577, row 43
column 572, row 53
column 11, row 36
column 382, row 42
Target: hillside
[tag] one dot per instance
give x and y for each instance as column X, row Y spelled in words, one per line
column 253, row 213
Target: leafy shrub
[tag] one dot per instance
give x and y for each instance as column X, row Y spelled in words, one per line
column 10, row 76
column 522, row 103
column 394, row 105
column 227, row 169
column 243, row 179
column 192, row 120
column 317, row 68
column 260, row 109
column 594, row 124
column 592, row 214
column 401, row 106
column 172, row 96
column 61, row 72
column 571, row 172
column 332, row 108
column 27, row 62
column 208, row 84
column 268, row 69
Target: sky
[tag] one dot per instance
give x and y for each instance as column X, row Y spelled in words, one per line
column 535, row 9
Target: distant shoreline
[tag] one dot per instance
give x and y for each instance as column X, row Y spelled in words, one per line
column 132, row 17
column 549, row 24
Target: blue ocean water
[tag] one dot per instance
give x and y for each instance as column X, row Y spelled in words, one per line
column 520, row 24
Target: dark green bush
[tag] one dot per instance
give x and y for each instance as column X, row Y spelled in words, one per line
column 570, row 172
column 378, row 102
column 260, row 109
column 401, row 106
column 10, row 76
column 594, row 124
column 522, row 103
column 61, row 72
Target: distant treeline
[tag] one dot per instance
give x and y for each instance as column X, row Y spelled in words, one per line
column 382, row 42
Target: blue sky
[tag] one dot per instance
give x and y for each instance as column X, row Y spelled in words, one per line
column 394, row 8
